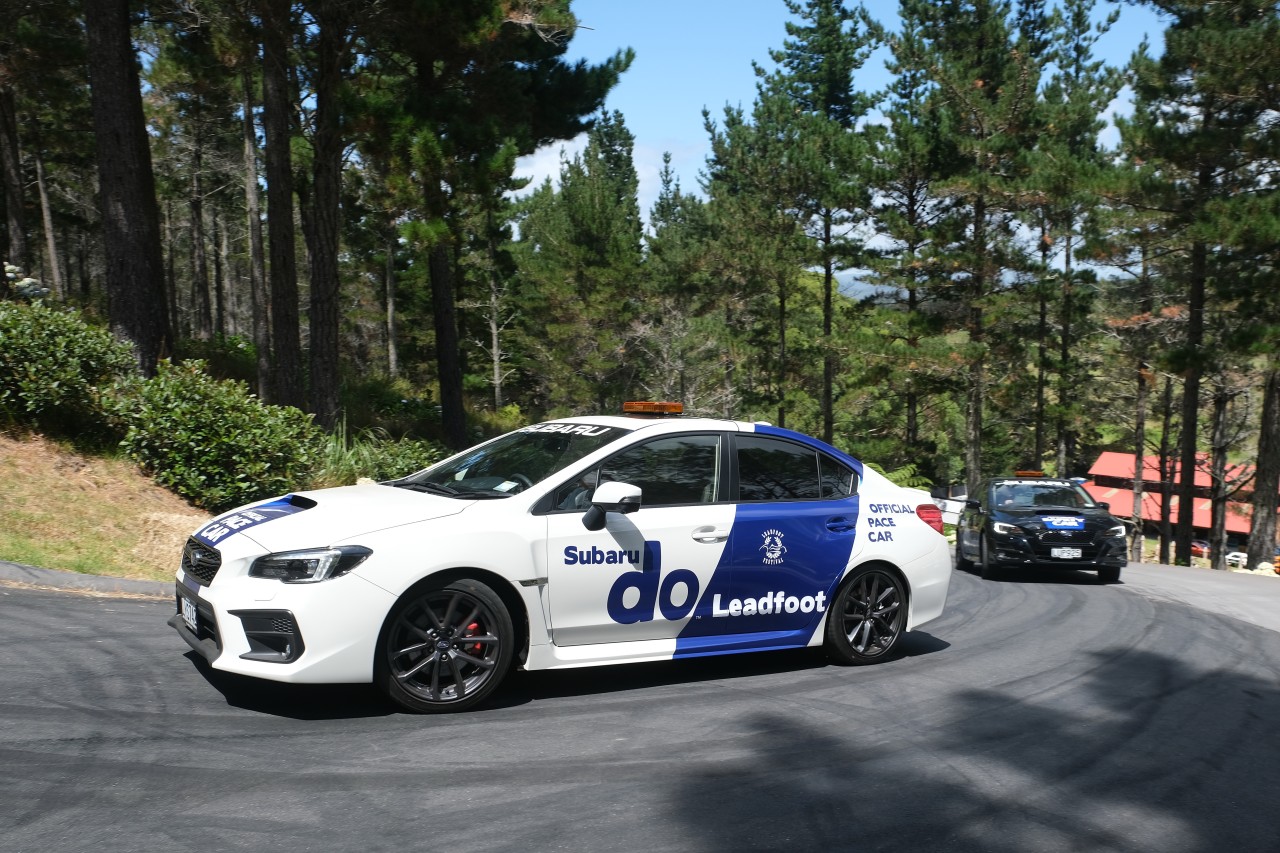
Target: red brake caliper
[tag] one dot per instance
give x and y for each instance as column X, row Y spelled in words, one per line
column 471, row 631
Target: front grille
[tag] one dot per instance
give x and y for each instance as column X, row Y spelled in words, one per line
column 200, row 562
column 1065, row 537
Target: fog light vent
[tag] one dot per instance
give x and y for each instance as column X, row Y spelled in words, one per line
column 273, row 635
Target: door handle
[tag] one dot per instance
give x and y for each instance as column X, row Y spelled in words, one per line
column 839, row 524
column 710, row 535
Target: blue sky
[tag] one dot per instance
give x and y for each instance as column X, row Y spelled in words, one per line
column 692, row 54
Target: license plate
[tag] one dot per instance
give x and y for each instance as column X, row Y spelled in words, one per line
column 1063, row 553
column 189, row 614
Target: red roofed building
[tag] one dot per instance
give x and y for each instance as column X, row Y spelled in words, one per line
column 1112, row 481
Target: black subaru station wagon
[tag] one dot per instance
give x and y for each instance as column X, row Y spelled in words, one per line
column 1037, row 521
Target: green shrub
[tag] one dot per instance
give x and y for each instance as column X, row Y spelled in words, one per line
column 212, row 441
column 52, row 364
column 229, row 357
column 391, row 406
column 372, row 454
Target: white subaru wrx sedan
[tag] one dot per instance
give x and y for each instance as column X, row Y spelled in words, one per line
column 578, row 542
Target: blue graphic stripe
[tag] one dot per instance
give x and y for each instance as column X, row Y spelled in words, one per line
column 234, row 522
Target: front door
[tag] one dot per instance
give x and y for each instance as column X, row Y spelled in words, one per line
column 648, row 573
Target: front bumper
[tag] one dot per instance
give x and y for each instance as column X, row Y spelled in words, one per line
column 1008, row 551
column 298, row 633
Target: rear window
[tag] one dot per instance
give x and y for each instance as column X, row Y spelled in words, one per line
column 771, row 469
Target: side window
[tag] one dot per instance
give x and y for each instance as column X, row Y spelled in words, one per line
column 770, row 469
column 838, row 480
column 683, row 469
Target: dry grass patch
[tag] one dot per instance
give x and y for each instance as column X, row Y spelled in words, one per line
column 60, row 510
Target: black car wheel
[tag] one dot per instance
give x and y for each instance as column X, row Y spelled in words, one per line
column 963, row 563
column 445, row 648
column 866, row 618
column 984, row 561
column 1109, row 575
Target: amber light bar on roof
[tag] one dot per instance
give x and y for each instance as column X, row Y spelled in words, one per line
column 647, row 407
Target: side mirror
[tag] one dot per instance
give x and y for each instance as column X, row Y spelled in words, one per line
column 610, row 497
column 972, row 504
column 1104, row 505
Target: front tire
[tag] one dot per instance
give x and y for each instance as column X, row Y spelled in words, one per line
column 866, row 618
column 1110, row 574
column 445, row 648
column 984, row 561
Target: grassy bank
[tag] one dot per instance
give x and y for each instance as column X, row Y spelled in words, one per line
column 61, row 510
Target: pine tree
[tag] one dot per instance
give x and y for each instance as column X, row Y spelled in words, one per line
column 986, row 74
column 580, row 255
column 831, row 151
column 1201, row 118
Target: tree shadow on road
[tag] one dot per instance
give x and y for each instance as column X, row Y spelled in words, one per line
column 1144, row 752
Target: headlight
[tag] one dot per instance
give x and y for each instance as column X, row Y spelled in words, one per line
column 999, row 528
column 310, row 566
column 1118, row 530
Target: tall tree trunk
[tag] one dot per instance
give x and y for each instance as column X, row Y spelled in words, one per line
column 1139, row 460
column 1041, row 375
column 126, row 187
column 200, row 302
column 912, row 398
column 50, row 238
column 1266, row 483
column 1191, row 406
column 1218, row 479
column 782, row 349
column 221, row 269
column 393, row 357
column 170, row 254
column 1146, row 305
column 1066, row 378
column 322, row 236
column 1167, row 465
column 11, row 178
column 259, row 301
column 977, row 366
column 828, row 344
column 443, row 307
column 286, row 361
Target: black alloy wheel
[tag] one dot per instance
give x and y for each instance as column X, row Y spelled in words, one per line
column 445, row 648
column 866, row 619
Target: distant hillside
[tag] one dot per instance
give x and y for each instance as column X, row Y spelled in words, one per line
column 61, row 510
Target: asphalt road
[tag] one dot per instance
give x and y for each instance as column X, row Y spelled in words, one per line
column 1043, row 713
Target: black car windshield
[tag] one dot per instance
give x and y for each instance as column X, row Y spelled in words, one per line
column 1019, row 494
column 512, row 463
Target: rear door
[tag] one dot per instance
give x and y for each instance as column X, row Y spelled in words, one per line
column 796, row 520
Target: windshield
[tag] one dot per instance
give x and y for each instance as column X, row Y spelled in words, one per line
column 1015, row 494
column 514, row 462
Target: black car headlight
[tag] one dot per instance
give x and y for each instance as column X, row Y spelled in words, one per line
column 1000, row 528
column 1117, row 531
column 309, row 566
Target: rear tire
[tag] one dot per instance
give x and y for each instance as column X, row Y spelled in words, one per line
column 963, row 563
column 445, row 648
column 867, row 616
